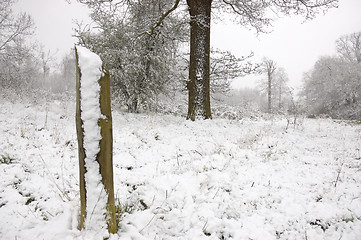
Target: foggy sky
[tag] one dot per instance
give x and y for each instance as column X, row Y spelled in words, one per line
column 293, row 44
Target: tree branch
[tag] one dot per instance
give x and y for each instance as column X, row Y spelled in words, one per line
column 161, row 19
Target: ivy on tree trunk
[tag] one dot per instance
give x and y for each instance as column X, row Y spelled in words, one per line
column 198, row 83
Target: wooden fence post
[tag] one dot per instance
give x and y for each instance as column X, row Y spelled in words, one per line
column 105, row 155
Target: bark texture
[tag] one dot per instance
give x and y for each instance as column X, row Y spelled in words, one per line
column 198, row 82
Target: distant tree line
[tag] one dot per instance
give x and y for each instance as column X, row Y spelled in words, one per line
column 25, row 65
column 333, row 86
column 145, row 45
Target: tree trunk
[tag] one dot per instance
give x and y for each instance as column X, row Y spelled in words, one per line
column 198, row 83
column 269, row 92
column 280, row 96
column 133, row 105
column 270, row 67
column 104, row 156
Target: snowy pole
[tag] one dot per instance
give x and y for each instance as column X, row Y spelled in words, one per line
column 95, row 143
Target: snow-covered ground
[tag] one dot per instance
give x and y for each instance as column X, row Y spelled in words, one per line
column 214, row 179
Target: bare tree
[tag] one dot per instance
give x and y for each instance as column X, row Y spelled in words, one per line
column 349, row 47
column 224, row 66
column 281, row 90
column 17, row 66
column 11, row 26
column 47, row 58
column 270, row 68
column 68, row 71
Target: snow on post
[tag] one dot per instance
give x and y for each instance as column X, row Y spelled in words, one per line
column 94, row 130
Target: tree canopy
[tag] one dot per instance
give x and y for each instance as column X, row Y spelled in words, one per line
column 257, row 14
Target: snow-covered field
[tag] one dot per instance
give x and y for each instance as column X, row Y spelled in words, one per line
column 177, row 179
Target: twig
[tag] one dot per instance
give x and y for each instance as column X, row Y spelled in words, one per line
column 338, row 175
column 62, row 191
column 100, row 194
column 198, row 152
column 215, row 194
column 155, row 214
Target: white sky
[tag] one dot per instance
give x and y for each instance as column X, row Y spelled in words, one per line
column 54, row 21
column 294, row 45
